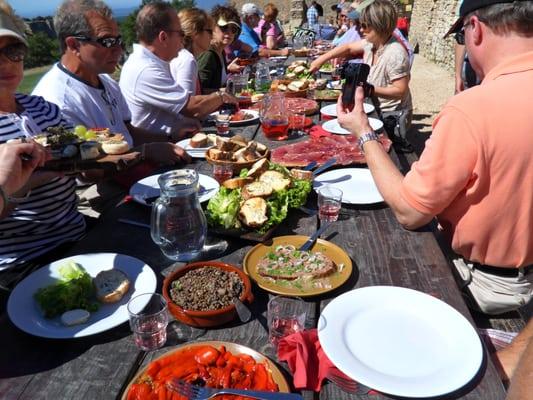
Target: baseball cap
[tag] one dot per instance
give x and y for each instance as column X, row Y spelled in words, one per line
column 250, row 9
column 222, row 22
column 8, row 27
column 472, row 5
column 353, row 15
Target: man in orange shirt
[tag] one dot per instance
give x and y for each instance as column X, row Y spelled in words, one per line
column 476, row 171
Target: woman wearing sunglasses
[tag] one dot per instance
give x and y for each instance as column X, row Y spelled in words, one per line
column 388, row 59
column 41, row 215
column 212, row 67
column 197, row 27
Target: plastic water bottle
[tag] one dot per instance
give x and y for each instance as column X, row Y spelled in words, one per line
column 262, row 77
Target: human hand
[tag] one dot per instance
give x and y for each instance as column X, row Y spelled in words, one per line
column 166, row 153
column 315, row 66
column 187, row 128
column 355, row 120
column 14, row 172
column 234, row 67
column 229, row 98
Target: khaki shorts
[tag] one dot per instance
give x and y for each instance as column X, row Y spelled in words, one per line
column 493, row 294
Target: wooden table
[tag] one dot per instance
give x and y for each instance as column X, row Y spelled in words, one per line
column 100, row 366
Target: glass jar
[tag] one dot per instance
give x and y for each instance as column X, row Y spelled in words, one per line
column 178, row 224
column 274, row 116
column 262, row 77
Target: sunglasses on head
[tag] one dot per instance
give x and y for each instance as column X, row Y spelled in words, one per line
column 460, row 37
column 106, row 42
column 229, row 28
column 14, row 52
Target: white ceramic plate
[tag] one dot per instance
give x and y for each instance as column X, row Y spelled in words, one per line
column 26, row 314
column 333, row 126
column 148, row 187
column 334, row 85
column 357, row 185
column 331, row 109
column 278, row 58
column 194, row 152
column 253, row 113
column 400, row 341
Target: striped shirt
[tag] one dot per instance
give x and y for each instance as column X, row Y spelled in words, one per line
column 48, row 217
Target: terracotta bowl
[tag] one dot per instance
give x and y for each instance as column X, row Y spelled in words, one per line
column 206, row 319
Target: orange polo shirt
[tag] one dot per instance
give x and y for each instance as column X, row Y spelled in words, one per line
column 476, row 172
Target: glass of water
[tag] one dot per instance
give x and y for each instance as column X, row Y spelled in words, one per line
column 148, row 314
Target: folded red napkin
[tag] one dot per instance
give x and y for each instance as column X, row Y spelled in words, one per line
column 317, row 132
column 307, row 361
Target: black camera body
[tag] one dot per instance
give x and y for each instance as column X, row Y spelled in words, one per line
column 354, row 74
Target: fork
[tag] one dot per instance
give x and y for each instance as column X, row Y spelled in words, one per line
column 347, row 385
column 193, row 392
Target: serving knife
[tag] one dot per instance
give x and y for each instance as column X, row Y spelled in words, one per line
column 310, row 166
column 307, row 245
column 326, row 165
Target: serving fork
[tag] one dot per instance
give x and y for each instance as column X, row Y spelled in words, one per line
column 193, row 392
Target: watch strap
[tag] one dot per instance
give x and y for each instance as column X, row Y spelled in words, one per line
column 366, row 137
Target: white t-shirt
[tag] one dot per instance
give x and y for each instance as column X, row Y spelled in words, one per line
column 83, row 104
column 184, row 69
column 154, row 98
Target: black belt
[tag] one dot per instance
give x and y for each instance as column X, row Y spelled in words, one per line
column 501, row 271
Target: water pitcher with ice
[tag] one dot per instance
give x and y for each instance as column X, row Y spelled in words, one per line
column 178, row 223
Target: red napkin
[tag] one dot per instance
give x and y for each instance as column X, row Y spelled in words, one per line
column 317, row 132
column 307, row 361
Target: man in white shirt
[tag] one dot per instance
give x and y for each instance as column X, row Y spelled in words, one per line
column 154, row 98
column 91, row 48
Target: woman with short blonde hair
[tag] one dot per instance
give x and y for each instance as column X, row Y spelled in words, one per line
column 197, row 27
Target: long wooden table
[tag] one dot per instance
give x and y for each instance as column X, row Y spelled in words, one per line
column 101, row 366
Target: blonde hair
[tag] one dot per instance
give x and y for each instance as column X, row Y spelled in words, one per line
column 381, row 15
column 193, row 21
column 270, row 12
column 19, row 23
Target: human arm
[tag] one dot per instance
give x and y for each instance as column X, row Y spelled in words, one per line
column 348, row 50
column 512, row 360
column 266, row 52
column 188, row 126
column 460, row 51
column 396, row 90
column 522, row 381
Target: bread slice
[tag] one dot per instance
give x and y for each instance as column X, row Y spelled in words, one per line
column 235, row 183
column 111, row 285
column 253, row 212
column 302, row 174
column 217, row 154
column 276, row 179
column 239, row 141
column 258, row 168
column 198, row 140
column 224, row 144
column 256, row 189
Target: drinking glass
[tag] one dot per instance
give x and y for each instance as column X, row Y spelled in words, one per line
column 148, row 314
column 222, row 172
column 222, row 123
column 329, row 203
column 285, row 315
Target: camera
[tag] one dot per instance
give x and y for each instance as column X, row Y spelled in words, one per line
column 354, row 74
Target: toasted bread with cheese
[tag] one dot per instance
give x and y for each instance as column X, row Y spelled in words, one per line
column 111, row 285
column 253, row 212
column 256, row 189
column 276, row 179
column 235, row 183
column 258, row 168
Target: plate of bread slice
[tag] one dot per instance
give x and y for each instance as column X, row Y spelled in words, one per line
column 197, row 145
column 116, row 278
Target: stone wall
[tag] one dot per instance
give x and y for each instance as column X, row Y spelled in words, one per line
column 430, row 20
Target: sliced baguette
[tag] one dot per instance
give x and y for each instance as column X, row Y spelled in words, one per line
column 198, row 140
column 253, row 212
column 235, row 183
column 276, row 179
column 256, row 189
column 258, row 168
column 302, row 174
column 111, row 285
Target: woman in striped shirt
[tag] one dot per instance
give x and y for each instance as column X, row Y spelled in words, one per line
column 43, row 214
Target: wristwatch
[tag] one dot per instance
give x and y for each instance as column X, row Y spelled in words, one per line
column 366, row 137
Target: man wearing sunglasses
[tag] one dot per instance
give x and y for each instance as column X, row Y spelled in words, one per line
column 465, row 76
column 472, row 174
column 79, row 83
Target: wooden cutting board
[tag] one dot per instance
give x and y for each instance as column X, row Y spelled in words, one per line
column 116, row 162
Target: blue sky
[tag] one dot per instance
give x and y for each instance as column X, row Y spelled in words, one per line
column 32, row 8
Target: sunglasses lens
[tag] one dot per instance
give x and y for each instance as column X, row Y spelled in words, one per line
column 460, row 37
column 14, row 52
column 110, row 42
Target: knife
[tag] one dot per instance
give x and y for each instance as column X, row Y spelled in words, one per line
column 326, row 165
column 307, row 245
column 310, row 166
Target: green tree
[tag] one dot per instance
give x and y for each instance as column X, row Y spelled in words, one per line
column 42, row 50
column 181, row 4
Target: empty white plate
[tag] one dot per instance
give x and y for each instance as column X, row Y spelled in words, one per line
column 333, row 126
column 357, row 185
column 331, row 109
column 400, row 341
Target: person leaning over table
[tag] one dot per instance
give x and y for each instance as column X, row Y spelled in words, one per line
column 212, row 67
column 42, row 215
column 197, row 27
column 80, row 85
column 388, row 59
column 268, row 29
column 155, row 100
column 475, row 172
column 250, row 17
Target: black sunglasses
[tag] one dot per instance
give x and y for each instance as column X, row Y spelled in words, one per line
column 106, row 42
column 460, row 37
column 14, row 52
column 229, row 28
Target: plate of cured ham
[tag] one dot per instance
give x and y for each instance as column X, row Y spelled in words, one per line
column 241, row 117
column 343, row 148
column 296, row 104
column 333, row 126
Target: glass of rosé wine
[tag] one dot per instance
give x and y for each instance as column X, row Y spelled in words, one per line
column 329, row 203
column 285, row 315
column 222, row 172
column 148, row 314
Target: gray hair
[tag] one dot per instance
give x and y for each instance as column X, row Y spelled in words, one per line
column 152, row 19
column 71, row 19
column 503, row 18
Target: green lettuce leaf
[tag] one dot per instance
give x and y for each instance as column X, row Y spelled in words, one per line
column 223, row 207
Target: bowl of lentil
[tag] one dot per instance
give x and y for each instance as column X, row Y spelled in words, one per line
column 201, row 294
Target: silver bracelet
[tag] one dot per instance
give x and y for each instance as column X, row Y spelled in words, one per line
column 366, row 137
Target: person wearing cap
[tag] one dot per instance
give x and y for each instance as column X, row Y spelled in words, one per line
column 465, row 76
column 156, row 101
column 212, row 66
column 250, row 17
column 352, row 34
column 42, row 215
column 472, row 173
column 268, row 29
